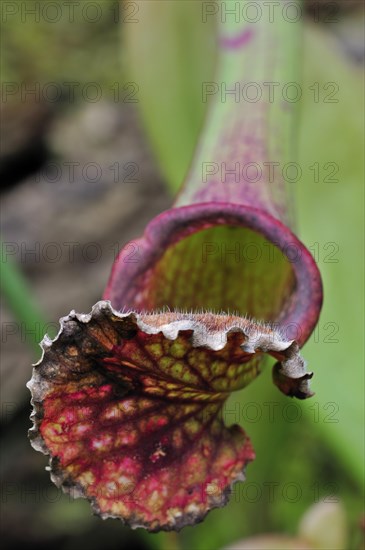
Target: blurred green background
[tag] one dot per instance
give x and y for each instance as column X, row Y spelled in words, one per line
column 103, row 96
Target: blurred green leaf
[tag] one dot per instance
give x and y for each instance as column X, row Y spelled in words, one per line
column 19, row 299
column 169, row 88
column 332, row 225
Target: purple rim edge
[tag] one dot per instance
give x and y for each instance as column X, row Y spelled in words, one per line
column 177, row 223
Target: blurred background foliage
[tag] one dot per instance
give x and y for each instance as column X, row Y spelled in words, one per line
column 320, row 453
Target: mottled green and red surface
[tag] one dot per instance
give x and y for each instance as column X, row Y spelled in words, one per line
column 130, row 409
